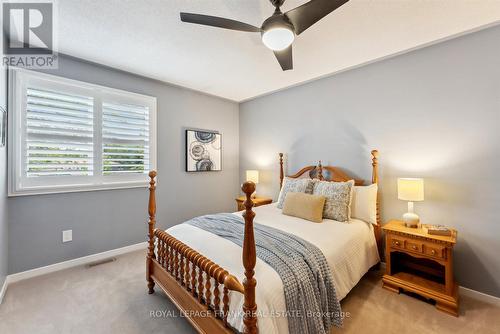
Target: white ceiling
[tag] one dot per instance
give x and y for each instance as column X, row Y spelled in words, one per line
column 147, row 37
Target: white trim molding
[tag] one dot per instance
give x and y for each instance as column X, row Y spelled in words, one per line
column 68, row 264
column 479, row 296
column 4, row 289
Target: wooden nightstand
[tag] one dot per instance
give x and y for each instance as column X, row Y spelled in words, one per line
column 421, row 263
column 257, row 201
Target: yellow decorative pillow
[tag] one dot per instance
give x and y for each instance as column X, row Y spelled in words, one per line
column 305, row 206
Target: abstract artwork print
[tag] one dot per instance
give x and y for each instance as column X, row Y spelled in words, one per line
column 203, row 151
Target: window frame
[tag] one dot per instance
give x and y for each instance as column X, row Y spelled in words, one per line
column 19, row 184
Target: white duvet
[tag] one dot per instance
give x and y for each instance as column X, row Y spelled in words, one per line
column 350, row 249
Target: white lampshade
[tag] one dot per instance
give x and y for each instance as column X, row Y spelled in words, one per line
column 253, row 176
column 411, row 189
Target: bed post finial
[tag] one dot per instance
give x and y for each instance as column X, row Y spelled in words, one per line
column 151, row 227
column 320, row 171
column 249, row 260
column 375, row 166
column 378, row 227
column 282, row 174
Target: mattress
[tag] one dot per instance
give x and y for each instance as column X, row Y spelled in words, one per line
column 349, row 248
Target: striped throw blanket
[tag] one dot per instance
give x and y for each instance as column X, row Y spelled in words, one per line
column 311, row 300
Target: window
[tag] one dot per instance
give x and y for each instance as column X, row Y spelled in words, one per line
column 70, row 136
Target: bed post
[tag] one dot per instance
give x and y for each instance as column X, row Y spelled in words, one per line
column 151, row 228
column 378, row 228
column 320, row 171
column 249, row 260
column 282, row 175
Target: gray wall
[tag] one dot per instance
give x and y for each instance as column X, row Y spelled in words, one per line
column 432, row 113
column 3, row 187
column 104, row 220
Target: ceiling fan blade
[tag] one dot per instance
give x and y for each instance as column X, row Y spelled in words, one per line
column 311, row 12
column 218, row 22
column 285, row 58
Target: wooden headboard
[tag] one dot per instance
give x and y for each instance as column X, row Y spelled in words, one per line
column 334, row 174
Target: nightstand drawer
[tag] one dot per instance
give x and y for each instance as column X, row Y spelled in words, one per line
column 397, row 243
column 414, row 246
column 435, row 251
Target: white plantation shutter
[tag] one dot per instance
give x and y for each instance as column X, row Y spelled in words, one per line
column 125, row 138
column 70, row 136
column 59, row 138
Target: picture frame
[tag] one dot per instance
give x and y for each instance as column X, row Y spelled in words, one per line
column 203, row 150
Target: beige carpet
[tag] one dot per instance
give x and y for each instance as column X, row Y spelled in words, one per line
column 112, row 298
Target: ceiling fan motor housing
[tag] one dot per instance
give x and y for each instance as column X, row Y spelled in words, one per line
column 277, row 3
column 277, row 20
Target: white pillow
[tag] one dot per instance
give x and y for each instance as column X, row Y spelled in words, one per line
column 364, row 203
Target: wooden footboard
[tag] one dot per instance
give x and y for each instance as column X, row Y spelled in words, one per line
column 197, row 286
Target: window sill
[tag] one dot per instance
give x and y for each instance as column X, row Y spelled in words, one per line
column 76, row 188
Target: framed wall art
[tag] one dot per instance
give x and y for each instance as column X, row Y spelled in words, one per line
column 203, row 151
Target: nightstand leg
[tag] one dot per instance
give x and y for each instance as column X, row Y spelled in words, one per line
column 388, row 286
column 447, row 308
column 449, row 283
column 388, row 268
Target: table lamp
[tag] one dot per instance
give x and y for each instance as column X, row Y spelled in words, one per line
column 253, row 176
column 411, row 190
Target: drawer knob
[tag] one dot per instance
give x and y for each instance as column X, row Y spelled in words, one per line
column 396, row 243
column 433, row 251
column 414, row 247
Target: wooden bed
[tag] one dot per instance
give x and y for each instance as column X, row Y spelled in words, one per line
column 191, row 279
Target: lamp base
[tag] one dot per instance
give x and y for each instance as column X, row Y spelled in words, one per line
column 411, row 219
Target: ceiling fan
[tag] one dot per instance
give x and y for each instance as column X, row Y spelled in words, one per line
column 279, row 30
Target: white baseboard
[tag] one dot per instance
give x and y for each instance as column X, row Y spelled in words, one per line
column 479, row 296
column 4, row 289
column 68, row 264
column 463, row 291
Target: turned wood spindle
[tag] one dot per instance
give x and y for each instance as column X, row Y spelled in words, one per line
column 378, row 227
column 193, row 276
column 375, row 166
column 151, row 227
column 176, row 263
column 168, row 257
column 186, row 271
column 249, row 260
column 218, row 279
column 208, row 292
column 320, row 171
column 164, row 254
column 200, row 282
column 225, row 308
column 181, row 268
column 282, row 174
column 159, row 251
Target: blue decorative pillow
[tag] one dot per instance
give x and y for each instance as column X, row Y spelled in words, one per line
column 338, row 199
column 294, row 185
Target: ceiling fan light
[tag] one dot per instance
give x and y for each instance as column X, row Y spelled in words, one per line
column 278, row 39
